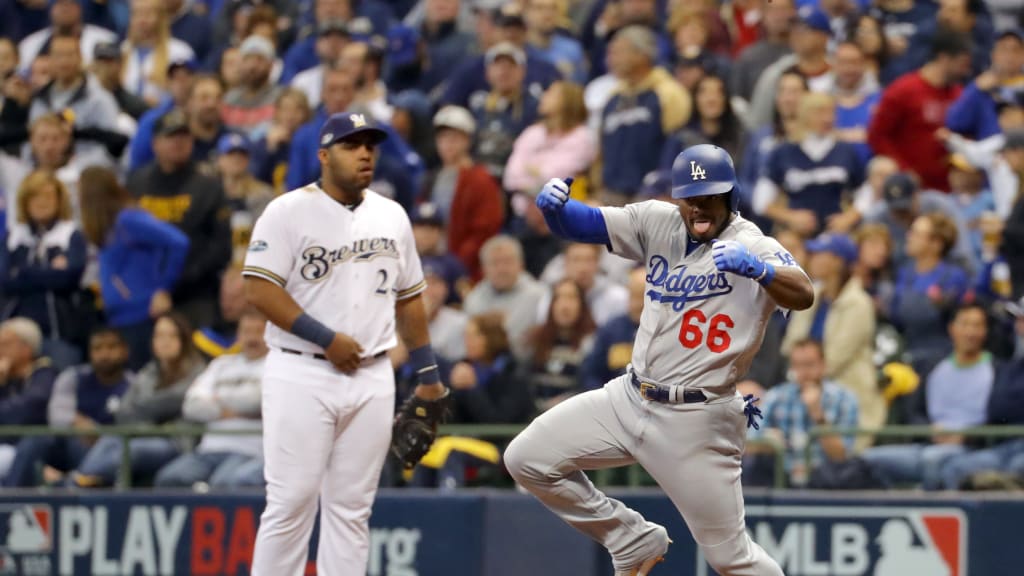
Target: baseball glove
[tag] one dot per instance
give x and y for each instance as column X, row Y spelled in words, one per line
column 416, row 427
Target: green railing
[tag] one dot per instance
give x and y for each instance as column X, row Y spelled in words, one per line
column 500, row 432
column 909, row 433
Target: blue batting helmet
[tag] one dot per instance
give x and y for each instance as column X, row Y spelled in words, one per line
column 705, row 170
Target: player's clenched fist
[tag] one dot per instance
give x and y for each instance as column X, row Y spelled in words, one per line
column 554, row 195
column 345, row 353
column 731, row 256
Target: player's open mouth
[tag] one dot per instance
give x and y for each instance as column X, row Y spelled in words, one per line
column 702, row 226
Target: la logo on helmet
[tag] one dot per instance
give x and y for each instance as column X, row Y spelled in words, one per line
column 697, row 172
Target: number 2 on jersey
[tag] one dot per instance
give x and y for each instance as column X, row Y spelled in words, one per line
column 691, row 331
column 382, row 286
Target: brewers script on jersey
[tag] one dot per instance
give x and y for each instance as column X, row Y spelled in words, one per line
column 676, row 411
column 345, row 267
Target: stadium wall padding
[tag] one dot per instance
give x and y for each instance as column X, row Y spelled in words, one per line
column 505, row 533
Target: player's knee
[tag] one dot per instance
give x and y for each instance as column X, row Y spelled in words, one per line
column 734, row 556
column 517, row 459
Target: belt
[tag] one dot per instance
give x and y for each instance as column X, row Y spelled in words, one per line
column 664, row 394
column 318, row 356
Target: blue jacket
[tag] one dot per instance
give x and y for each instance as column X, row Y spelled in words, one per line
column 24, row 403
column 34, row 288
column 304, row 165
column 973, row 114
column 142, row 256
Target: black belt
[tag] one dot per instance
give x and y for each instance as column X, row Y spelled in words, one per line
column 659, row 393
column 318, row 356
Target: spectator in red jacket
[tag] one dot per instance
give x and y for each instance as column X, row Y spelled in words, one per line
column 468, row 199
column 914, row 107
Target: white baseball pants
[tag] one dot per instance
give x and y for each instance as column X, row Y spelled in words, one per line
column 325, row 434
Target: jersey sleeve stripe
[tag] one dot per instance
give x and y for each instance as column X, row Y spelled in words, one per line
column 263, row 273
column 412, row 291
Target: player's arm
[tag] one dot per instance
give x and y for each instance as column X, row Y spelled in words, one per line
column 280, row 308
column 790, row 288
column 770, row 266
column 570, row 219
column 412, row 325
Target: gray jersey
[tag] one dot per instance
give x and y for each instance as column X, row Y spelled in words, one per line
column 700, row 327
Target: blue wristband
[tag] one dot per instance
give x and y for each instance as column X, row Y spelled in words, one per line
column 768, row 275
column 423, row 362
column 311, row 330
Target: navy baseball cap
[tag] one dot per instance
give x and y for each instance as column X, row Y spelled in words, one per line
column 403, row 45
column 233, row 142
column 656, row 184
column 344, row 125
column 812, row 17
column 839, row 244
column 898, row 191
column 426, row 213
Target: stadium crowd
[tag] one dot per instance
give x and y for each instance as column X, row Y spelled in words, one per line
column 882, row 142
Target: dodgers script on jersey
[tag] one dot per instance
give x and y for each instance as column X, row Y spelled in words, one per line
column 700, row 327
column 345, row 267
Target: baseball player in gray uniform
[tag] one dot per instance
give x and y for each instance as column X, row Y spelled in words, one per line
column 713, row 279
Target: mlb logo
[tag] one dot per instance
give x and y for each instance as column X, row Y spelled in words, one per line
column 859, row 541
column 25, row 529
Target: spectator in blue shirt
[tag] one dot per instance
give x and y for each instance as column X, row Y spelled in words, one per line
column 928, row 288
column 364, row 18
column 793, row 408
column 612, row 350
column 646, row 107
column 903, row 23
column 42, row 266
column 857, row 92
column 507, row 110
column 271, row 152
column 810, row 182
column 975, row 113
column 1005, row 407
column 785, row 126
column 397, row 161
column 957, row 395
column 469, row 82
column 140, row 257
column 83, row 397
column 180, row 87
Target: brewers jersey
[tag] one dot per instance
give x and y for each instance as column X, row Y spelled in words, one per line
column 700, row 327
column 345, row 267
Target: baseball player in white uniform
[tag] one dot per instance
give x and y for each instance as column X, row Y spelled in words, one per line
column 334, row 268
column 713, row 279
